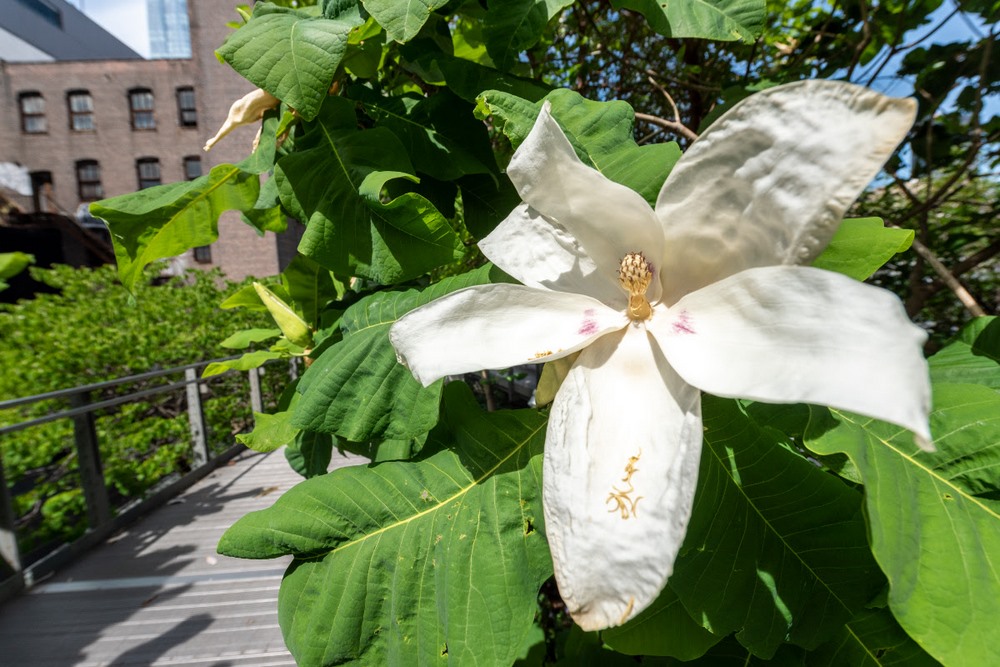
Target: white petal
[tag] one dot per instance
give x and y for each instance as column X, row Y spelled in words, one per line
column 620, row 471
column 541, row 253
column 607, row 218
column 789, row 334
column 497, row 326
column 768, row 183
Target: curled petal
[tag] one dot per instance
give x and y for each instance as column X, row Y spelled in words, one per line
column 541, row 253
column 248, row 109
column 620, row 470
column 608, row 219
column 769, row 181
column 497, row 326
column 790, row 334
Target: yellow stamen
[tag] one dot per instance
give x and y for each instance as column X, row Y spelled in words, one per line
column 635, row 275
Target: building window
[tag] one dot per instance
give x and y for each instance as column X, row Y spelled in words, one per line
column 203, row 254
column 148, row 169
column 88, row 180
column 41, row 190
column 192, row 167
column 186, row 111
column 141, row 105
column 33, row 113
column 81, row 110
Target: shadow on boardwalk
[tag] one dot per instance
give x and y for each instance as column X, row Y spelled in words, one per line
column 157, row 593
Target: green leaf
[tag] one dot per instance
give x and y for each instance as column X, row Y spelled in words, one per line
column 663, row 628
column 166, row 220
column 247, row 362
column 412, row 562
column 310, row 453
column 776, row 547
column 291, row 54
column 347, row 232
column 310, row 288
column 12, row 263
column 270, row 432
column 601, row 133
column 402, row 19
column 934, row 518
column 723, row 20
column 357, row 389
column 485, row 202
column 469, row 79
column 244, row 297
column 440, row 133
column 861, row 246
column 973, row 358
column 241, row 340
column 511, row 26
column 873, row 638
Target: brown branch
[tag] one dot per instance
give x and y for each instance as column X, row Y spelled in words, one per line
column 949, row 279
column 674, row 126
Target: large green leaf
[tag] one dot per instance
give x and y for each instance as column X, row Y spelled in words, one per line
column 723, row 20
column 269, row 432
column 934, row 518
column 861, row 246
column 468, row 79
column 357, row 389
column 350, row 231
column 776, row 547
column 402, row 19
column 292, row 54
column 973, row 358
column 663, row 628
column 440, row 133
column 873, row 638
column 310, row 288
column 601, row 133
column 511, row 26
column 428, row 562
column 485, row 202
column 166, row 220
column 309, row 454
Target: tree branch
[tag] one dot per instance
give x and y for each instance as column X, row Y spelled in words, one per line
column 674, row 126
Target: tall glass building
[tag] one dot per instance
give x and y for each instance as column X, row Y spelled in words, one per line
column 169, row 31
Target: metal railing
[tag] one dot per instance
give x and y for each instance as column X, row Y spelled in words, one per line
column 102, row 521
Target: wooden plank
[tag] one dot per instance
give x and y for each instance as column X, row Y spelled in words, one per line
column 157, row 593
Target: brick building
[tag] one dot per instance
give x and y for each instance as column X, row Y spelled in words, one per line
column 96, row 120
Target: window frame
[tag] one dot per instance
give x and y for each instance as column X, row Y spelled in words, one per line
column 137, row 112
column 148, row 182
column 74, row 114
column 22, row 97
column 187, row 116
column 191, row 159
column 202, row 254
column 88, row 189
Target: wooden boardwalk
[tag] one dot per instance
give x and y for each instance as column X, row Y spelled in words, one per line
column 158, row 593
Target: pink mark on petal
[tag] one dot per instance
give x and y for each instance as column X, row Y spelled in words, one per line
column 589, row 325
column 683, row 323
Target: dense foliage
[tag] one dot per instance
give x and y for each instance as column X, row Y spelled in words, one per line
column 76, row 337
column 817, row 537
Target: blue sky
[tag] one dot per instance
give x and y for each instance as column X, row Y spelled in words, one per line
column 125, row 19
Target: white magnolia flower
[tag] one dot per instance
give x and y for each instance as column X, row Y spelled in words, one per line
column 704, row 293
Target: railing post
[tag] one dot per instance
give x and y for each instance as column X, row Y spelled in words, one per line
column 95, row 491
column 196, row 417
column 256, row 400
column 10, row 555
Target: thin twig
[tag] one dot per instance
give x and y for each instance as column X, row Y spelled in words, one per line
column 679, row 128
